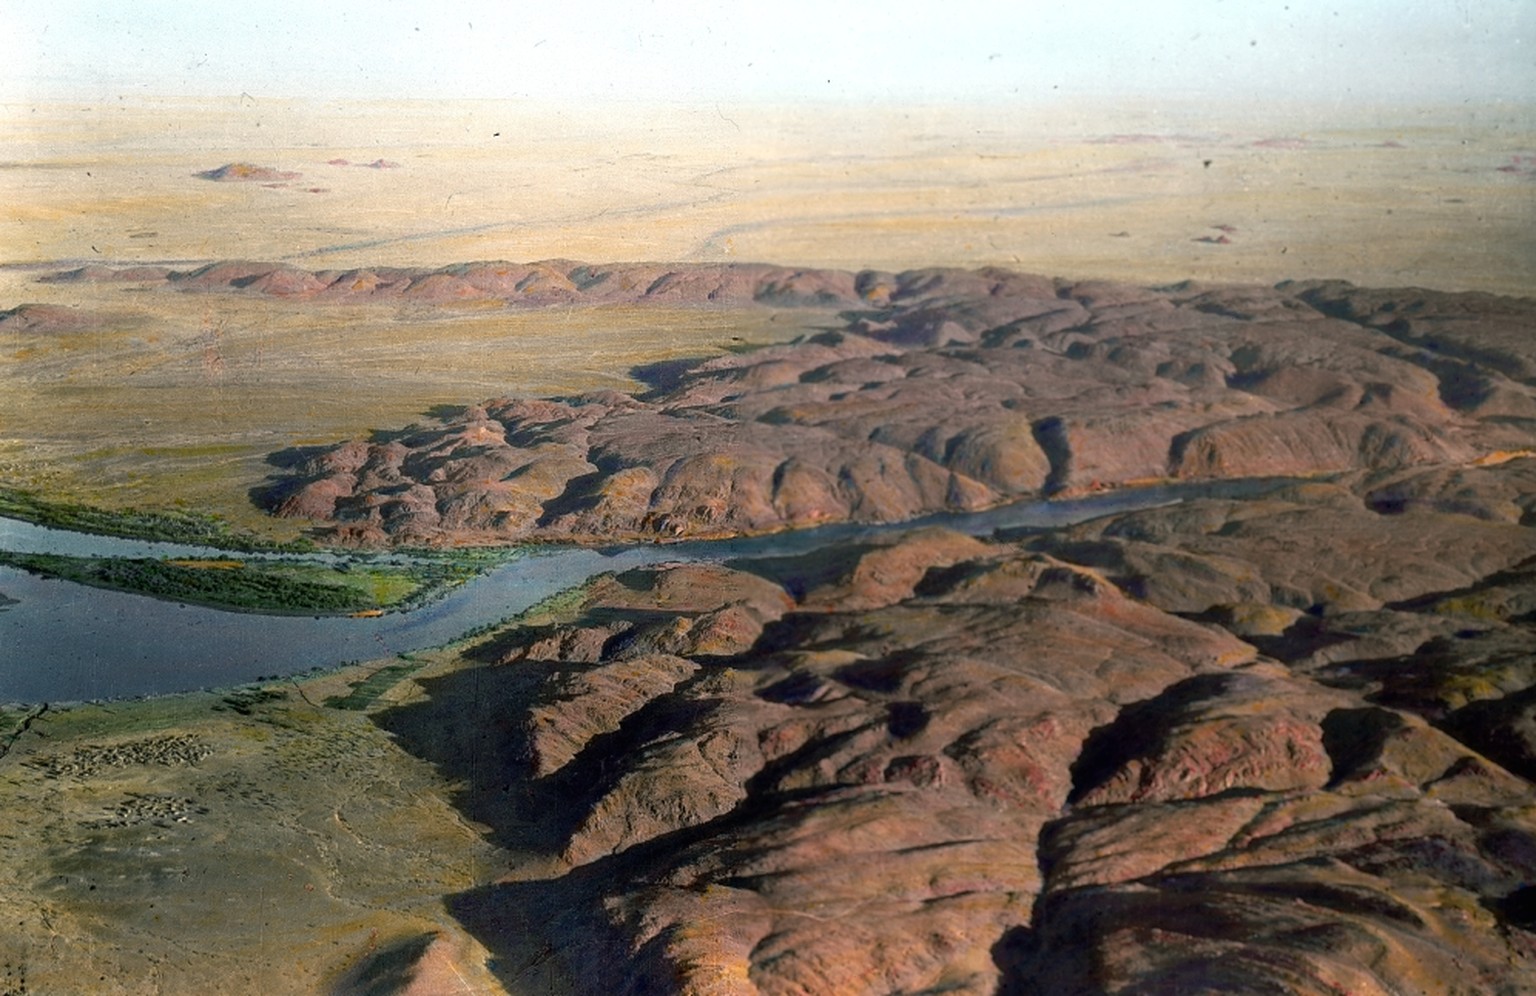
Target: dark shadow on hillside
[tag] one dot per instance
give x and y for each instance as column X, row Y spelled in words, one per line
column 294, row 457
column 800, row 574
column 294, row 466
column 553, row 934
column 467, row 726
column 386, row 971
column 663, row 376
column 445, row 413
column 1138, row 730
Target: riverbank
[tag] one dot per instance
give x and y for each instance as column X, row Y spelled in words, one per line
column 246, row 836
column 73, row 643
column 271, row 835
column 270, row 587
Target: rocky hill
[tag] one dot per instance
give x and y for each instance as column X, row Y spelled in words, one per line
column 246, row 173
column 937, row 390
column 1282, row 744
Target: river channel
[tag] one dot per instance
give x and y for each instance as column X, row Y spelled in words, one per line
column 61, row 641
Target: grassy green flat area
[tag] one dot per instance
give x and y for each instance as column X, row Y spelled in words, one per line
column 290, row 587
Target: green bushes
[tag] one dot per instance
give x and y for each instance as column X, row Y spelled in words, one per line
column 167, row 527
column 247, row 587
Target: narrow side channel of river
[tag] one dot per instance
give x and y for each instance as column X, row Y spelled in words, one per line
column 61, row 641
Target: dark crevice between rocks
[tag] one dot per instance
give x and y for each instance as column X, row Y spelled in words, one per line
column 1353, row 738
column 765, row 784
column 906, row 719
column 1014, row 954
column 1501, row 729
column 1518, row 909
column 1051, row 436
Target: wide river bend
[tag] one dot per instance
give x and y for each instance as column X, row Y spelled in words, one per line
column 61, row 641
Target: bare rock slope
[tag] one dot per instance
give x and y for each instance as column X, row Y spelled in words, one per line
column 940, row 390
column 1101, row 760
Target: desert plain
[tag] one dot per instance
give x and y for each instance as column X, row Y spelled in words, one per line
column 1270, row 741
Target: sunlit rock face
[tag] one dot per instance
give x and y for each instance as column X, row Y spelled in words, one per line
column 937, row 390
column 937, row 762
column 1276, row 743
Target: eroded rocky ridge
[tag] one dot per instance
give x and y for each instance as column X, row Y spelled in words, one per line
column 1280, row 744
column 939, row 390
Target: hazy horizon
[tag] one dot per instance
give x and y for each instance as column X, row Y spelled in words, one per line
column 1371, row 51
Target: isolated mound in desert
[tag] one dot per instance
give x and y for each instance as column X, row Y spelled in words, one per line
column 246, row 172
column 47, row 318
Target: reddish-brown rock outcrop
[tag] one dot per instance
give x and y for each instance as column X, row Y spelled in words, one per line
column 945, row 390
column 1275, row 743
column 45, row 318
column 975, row 766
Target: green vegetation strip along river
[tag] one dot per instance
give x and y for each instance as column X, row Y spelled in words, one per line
column 67, row 642
column 163, row 526
column 276, row 588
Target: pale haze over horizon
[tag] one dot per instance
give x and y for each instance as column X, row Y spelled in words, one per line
column 1360, row 51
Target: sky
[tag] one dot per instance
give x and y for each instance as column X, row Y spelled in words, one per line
column 1423, row 51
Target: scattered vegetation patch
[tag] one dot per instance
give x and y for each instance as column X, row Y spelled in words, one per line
column 244, row 701
column 171, row 526
column 366, row 692
column 275, row 588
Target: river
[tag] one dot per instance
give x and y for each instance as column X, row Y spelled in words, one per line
column 61, row 641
